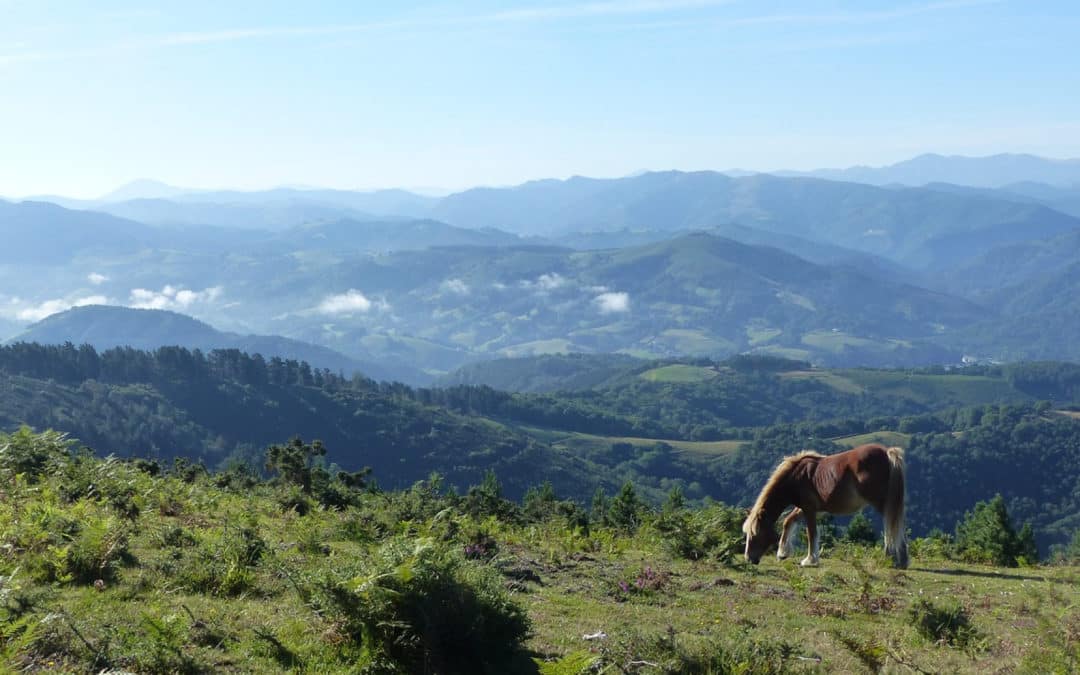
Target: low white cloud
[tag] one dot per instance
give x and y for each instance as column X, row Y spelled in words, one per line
column 455, row 286
column 545, row 282
column 550, row 282
column 96, row 279
column 172, row 297
column 50, row 307
column 612, row 303
column 350, row 302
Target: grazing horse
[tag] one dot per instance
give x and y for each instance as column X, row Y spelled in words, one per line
column 842, row 483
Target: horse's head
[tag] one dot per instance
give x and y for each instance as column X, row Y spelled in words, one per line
column 760, row 537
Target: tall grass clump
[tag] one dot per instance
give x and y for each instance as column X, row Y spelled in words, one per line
column 420, row 606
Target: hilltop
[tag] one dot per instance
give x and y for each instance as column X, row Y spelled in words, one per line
column 106, row 327
column 116, row 564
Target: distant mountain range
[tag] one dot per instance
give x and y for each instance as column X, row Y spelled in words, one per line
column 918, row 227
column 654, row 265
column 993, row 171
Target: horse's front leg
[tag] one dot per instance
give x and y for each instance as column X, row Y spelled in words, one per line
column 786, row 547
column 812, row 556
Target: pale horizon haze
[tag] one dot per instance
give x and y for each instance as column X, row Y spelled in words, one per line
column 249, row 95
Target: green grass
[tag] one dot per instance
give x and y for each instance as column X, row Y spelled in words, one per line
column 679, row 373
column 181, row 576
column 758, row 335
column 936, row 389
column 886, row 438
column 792, row 353
column 539, row 347
column 694, row 341
column 812, row 611
column 828, row 377
column 836, row 341
column 575, row 439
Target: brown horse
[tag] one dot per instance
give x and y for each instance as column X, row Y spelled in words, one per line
column 842, row 483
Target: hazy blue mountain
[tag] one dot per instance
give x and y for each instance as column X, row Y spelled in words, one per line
column 59, row 200
column 157, row 203
column 1016, row 266
column 1064, row 199
column 1034, row 287
column 269, row 215
column 916, row 227
column 378, row 202
column 42, row 232
column 697, row 294
column 106, row 326
column 991, row 171
column 143, row 188
column 380, row 236
column 814, row 251
column 8, row 328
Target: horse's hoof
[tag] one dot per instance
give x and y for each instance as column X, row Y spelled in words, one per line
column 808, row 562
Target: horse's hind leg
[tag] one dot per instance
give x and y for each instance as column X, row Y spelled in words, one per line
column 813, row 555
column 786, row 547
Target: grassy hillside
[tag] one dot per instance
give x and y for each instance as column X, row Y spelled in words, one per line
column 546, row 373
column 111, row 566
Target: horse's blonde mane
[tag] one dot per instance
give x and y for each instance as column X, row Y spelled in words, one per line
column 753, row 521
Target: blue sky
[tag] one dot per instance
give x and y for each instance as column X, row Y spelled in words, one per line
column 440, row 94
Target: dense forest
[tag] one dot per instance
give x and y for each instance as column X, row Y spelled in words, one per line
column 969, row 434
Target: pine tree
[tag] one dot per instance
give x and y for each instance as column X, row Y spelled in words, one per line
column 986, row 534
column 860, row 530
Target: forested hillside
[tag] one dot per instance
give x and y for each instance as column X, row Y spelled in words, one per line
column 713, row 429
column 225, row 406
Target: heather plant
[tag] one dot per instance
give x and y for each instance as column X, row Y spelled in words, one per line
column 647, row 582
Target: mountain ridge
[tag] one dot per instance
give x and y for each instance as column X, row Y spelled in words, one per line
column 106, row 327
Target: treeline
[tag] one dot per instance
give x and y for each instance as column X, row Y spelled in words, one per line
column 224, row 406
column 70, row 364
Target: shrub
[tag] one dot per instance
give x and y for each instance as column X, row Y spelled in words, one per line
column 1069, row 553
column 936, row 545
column 98, row 551
column 714, row 530
column 626, row 509
column 944, row 624
column 860, row 531
column 986, row 535
column 224, row 561
column 418, row 606
column 646, row 582
column 25, row 452
column 487, row 499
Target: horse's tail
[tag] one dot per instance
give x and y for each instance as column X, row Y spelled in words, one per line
column 895, row 534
